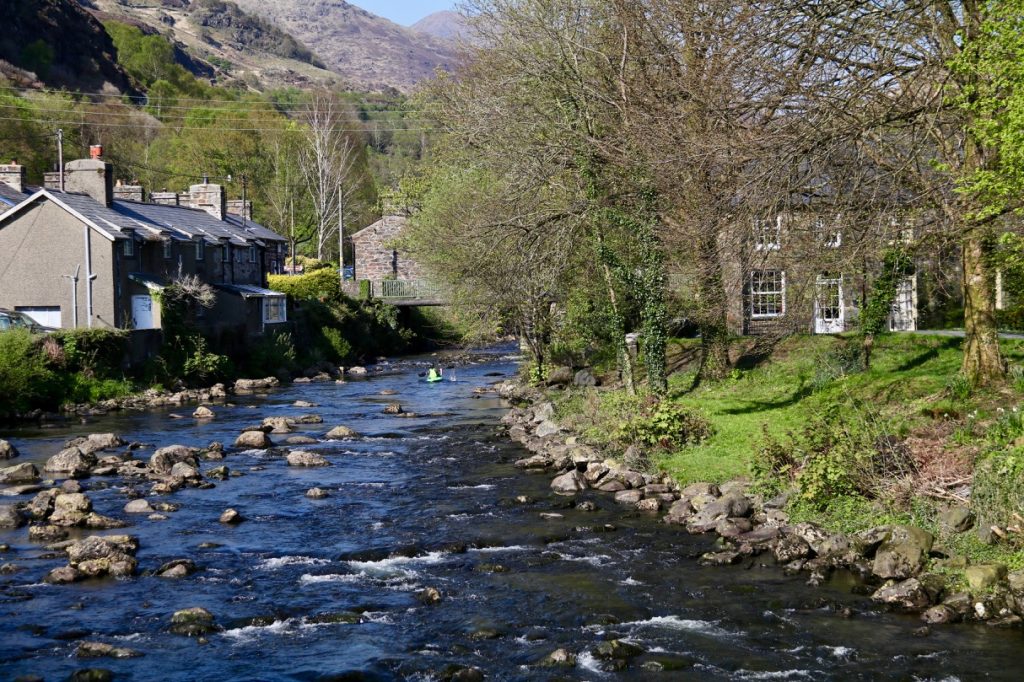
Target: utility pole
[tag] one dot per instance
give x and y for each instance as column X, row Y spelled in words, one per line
column 341, row 233
column 245, row 202
column 60, row 158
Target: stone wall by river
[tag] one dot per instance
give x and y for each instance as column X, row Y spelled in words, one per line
column 422, row 552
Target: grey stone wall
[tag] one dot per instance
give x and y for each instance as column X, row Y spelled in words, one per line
column 376, row 257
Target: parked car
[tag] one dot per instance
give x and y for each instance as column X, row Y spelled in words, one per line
column 12, row 319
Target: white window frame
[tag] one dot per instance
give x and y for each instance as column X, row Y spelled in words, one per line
column 128, row 250
column 200, row 250
column 167, row 249
column 758, row 276
column 282, row 302
column 763, row 230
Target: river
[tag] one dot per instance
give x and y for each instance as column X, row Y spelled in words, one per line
column 327, row 589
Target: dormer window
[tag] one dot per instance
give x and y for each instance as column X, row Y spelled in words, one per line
column 167, row 249
column 768, row 233
column 828, row 233
column 200, row 250
column 129, row 248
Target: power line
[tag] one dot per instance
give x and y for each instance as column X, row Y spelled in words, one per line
column 214, row 128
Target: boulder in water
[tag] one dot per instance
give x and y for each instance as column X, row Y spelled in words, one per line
column 204, row 413
column 71, row 461
column 193, row 622
column 278, row 424
column 253, row 440
column 908, row 595
column 316, row 493
column 164, row 459
column 10, row 516
column 341, row 433
column 103, row 650
column 298, row 458
column 7, row 451
column 903, row 552
column 569, row 483
column 231, row 517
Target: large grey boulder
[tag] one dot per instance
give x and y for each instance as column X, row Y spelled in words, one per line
column 298, row 458
column 7, row 451
column 107, row 555
column 984, row 576
column 584, row 378
column 19, row 473
column 278, row 424
column 70, row 509
column 903, row 553
column 341, row 433
column 247, row 385
column 569, row 484
column 163, row 460
column 908, row 595
column 253, row 440
column 96, row 442
column 193, row 622
column 139, row 506
column 547, row 428
column 71, row 461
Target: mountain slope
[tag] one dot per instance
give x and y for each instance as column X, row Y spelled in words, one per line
column 61, row 43
column 447, row 25
column 368, row 51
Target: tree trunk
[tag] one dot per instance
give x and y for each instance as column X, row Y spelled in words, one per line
column 711, row 317
column 983, row 363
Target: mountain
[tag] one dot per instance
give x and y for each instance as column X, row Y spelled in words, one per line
column 57, row 43
column 368, row 51
column 447, row 25
column 217, row 38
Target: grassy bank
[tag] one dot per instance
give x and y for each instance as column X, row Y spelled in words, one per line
column 901, row 441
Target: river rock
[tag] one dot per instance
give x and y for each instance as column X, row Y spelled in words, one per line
column 649, row 504
column 71, row 461
column 300, row 440
column 204, row 413
column 96, row 442
column 247, row 385
column 984, row 576
column 726, row 558
column 102, row 555
column 547, row 428
column 341, row 433
column 70, row 509
column 317, row 493
column 304, row 404
column 429, row 596
column 193, row 622
column 617, row 649
column 393, row 408
column 41, row 505
column 186, row 471
column 534, row 462
column 231, row 517
column 695, row 489
column 595, row 472
column 903, row 553
column 46, row 533
column 629, row 497
column 307, row 419
column 298, row 458
column 584, row 379
column 679, row 512
column 177, row 568
column 19, row 473
column 99, row 522
column 10, row 516
column 7, row 451
column 278, row 424
column 909, row 595
column 939, row 615
column 559, row 658
column 71, row 486
column 140, row 506
column 790, row 548
column 91, row 675
column 64, row 575
column 103, row 650
column 163, row 460
column 569, row 483
column 253, row 440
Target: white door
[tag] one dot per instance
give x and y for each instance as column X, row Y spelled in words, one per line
column 903, row 317
column 829, row 315
column 142, row 312
column 48, row 316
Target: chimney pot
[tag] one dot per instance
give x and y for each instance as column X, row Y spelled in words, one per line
column 95, row 151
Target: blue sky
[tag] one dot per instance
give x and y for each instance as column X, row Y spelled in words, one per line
column 404, row 12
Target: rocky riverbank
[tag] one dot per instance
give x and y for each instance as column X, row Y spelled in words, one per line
column 902, row 567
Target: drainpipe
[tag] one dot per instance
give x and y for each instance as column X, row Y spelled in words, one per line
column 89, row 277
column 74, row 295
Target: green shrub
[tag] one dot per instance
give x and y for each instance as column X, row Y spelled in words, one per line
column 666, row 425
column 837, row 362
column 773, row 466
column 100, row 352
column 25, row 380
column 272, row 353
column 341, row 349
column 318, row 285
column 81, row 388
column 958, row 386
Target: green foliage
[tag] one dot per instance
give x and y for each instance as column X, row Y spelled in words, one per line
column 666, row 425
column 316, row 285
column 836, row 362
column 273, row 353
column 896, row 265
column 998, row 490
column 959, row 386
column 773, row 466
column 98, row 352
column 37, row 57
column 26, row 382
column 82, row 388
column 339, row 346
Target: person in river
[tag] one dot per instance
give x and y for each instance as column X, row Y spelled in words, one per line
column 435, row 373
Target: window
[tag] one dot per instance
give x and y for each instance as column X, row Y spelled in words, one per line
column 200, row 250
column 274, row 310
column 828, row 233
column 768, row 233
column 767, row 293
column 129, row 248
column 226, row 253
column 167, row 249
column 252, row 254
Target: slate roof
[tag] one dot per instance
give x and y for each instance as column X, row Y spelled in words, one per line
column 10, row 196
column 248, row 290
column 179, row 222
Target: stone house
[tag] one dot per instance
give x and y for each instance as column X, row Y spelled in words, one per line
column 377, row 256
column 96, row 255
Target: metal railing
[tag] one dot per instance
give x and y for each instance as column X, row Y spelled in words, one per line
column 404, row 289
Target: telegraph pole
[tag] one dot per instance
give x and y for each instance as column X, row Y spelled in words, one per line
column 60, row 156
column 341, row 233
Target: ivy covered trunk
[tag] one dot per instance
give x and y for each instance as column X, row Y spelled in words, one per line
column 983, row 363
column 653, row 314
column 711, row 317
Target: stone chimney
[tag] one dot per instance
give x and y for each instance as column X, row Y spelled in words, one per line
column 129, row 192
column 164, row 198
column 51, row 180
column 13, row 175
column 92, row 176
column 210, row 198
column 240, row 208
